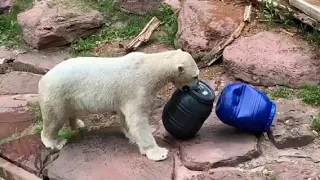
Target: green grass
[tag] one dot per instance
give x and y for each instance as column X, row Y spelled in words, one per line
column 67, row 134
column 282, row 92
column 133, row 24
column 274, row 177
column 169, row 19
column 315, row 124
column 11, row 138
column 10, row 31
column 310, row 95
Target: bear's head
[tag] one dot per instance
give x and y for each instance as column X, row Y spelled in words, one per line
column 186, row 70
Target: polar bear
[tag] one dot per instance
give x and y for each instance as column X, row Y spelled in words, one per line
column 126, row 85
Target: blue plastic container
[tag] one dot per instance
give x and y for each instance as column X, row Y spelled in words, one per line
column 245, row 108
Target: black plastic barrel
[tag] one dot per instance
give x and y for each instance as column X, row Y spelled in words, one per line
column 186, row 111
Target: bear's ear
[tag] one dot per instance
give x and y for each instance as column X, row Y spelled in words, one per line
column 179, row 50
column 181, row 68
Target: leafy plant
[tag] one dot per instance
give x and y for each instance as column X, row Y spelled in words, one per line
column 311, row 95
column 10, row 31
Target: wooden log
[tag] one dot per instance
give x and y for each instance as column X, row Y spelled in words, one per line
column 309, row 9
column 295, row 14
column 143, row 36
column 247, row 13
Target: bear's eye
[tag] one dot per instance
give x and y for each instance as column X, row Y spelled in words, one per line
column 196, row 77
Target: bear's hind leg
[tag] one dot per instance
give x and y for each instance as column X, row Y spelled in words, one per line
column 53, row 120
column 124, row 127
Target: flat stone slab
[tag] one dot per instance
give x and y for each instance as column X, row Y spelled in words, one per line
column 227, row 174
column 24, row 152
column 107, row 156
column 215, row 145
column 15, row 115
column 218, row 145
column 10, row 171
column 6, row 53
column 296, row 170
column 38, row 63
column 292, row 127
column 19, row 83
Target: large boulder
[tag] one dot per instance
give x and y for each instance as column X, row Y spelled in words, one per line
column 271, row 59
column 56, row 23
column 203, row 24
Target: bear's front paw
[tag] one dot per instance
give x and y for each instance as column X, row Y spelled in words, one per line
column 157, row 154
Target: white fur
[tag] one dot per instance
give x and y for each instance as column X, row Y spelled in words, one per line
column 127, row 85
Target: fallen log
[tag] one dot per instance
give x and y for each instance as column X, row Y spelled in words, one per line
column 295, row 14
column 309, row 9
column 143, row 36
column 247, row 13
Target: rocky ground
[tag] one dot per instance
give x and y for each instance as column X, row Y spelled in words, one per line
column 269, row 59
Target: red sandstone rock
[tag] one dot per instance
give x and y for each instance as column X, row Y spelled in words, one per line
column 5, row 5
column 24, row 152
column 19, row 83
column 216, row 145
column 6, row 53
column 292, row 127
column 56, row 23
column 202, row 24
column 10, row 171
column 106, row 156
column 294, row 170
column 15, row 115
column 38, row 63
column 272, row 59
